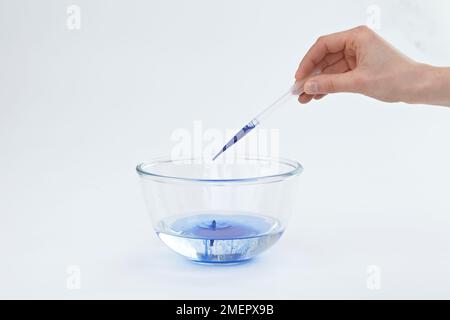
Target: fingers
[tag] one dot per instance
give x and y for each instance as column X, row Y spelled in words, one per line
column 329, row 66
column 331, row 83
column 329, row 60
column 338, row 67
column 305, row 98
column 325, row 45
column 319, row 96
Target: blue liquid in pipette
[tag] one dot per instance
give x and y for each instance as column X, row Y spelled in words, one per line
column 219, row 238
column 238, row 136
column 252, row 124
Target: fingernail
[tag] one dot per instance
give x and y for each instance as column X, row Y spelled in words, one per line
column 311, row 87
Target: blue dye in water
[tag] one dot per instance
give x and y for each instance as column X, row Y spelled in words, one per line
column 219, row 238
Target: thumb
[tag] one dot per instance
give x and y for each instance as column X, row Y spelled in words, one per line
column 330, row 83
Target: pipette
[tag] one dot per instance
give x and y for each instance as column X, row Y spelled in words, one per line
column 295, row 90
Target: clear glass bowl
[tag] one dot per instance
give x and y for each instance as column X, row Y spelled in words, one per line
column 216, row 212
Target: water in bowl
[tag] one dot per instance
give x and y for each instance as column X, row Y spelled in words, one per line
column 218, row 237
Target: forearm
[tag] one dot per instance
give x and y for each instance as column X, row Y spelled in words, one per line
column 432, row 86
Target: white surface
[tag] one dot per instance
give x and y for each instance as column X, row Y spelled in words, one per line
column 78, row 110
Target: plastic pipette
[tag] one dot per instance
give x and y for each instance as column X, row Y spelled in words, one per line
column 295, row 90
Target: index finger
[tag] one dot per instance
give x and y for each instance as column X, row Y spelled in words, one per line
column 324, row 45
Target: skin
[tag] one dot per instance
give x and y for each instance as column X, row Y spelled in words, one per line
column 360, row 61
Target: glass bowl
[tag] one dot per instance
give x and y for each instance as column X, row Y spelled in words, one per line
column 219, row 212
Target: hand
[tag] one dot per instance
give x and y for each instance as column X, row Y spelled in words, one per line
column 360, row 61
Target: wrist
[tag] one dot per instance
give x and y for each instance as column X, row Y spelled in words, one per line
column 432, row 85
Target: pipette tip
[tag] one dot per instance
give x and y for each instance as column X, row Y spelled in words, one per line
column 218, row 154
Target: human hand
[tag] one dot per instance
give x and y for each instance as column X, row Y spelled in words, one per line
column 360, row 61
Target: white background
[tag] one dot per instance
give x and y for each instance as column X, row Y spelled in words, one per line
column 79, row 108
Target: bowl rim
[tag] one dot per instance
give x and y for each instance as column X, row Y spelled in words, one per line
column 296, row 169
